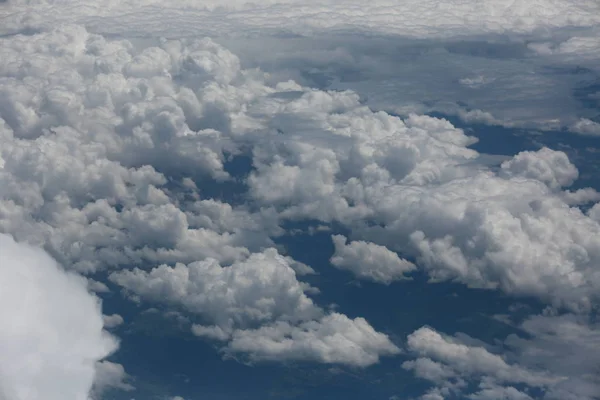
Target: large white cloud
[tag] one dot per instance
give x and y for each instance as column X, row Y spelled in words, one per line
column 51, row 336
column 258, row 307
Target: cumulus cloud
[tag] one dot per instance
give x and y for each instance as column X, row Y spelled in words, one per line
column 545, row 165
column 52, row 332
column 102, row 131
column 369, row 260
column 413, row 18
column 94, row 131
column 452, row 362
column 110, row 375
column 112, row 321
column 262, row 288
column 261, row 291
column 466, row 360
column 111, row 151
column 586, row 127
column 334, row 338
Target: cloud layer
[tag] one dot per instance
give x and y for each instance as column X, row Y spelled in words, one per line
column 117, row 158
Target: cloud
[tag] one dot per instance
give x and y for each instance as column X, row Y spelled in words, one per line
column 468, row 360
column 573, row 340
column 452, row 362
column 258, row 307
column 110, row 375
column 103, row 132
column 545, row 165
column 112, row 152
column 413, row 18
column 262, row 288
column 586, row 127
column 369, row 260
column 93, row 131
column 52, row 333
column 112, row 321
column 334, row 338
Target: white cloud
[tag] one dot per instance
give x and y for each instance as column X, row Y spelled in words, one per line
column 97, row 195
column 586, row 127
column 260, row 291
column 110, row 375
column 594, row 212
column 449, row 362
column 96, row 133
column 545, row 165
column 262, row 288
column 334, row 338
column 572, row 339
column 97, row 287
column 490, row 391
column 112, row 321
column 369, row 260
column 52, row 328
column 470, row 360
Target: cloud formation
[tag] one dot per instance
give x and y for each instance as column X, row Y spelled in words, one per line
column 258, row 307
column 52, row 332
column 454, row 364
column 117, row 153
column 413, row 18
column 369, row 260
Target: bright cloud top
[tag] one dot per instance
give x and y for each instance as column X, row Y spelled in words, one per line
column 52, row 334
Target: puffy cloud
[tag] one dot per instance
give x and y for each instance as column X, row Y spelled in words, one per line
column 469, row 360
column 572, row 339
column 415, row 187
column 112, row 321
column 334, row 338
column 100, row 191
column 586, row 127
column 489, row 391
column 108, row 151
column 262, row 288
column 369, row 260
column 110, row 375
column 545, row 165
column 261, row 291
column 52, row 333
column 93, row 132
column 594, row 212
column 450, row 362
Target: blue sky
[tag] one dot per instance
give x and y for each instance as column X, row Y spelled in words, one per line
column 299, row 200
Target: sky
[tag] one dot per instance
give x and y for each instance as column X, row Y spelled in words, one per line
column 299, row 199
